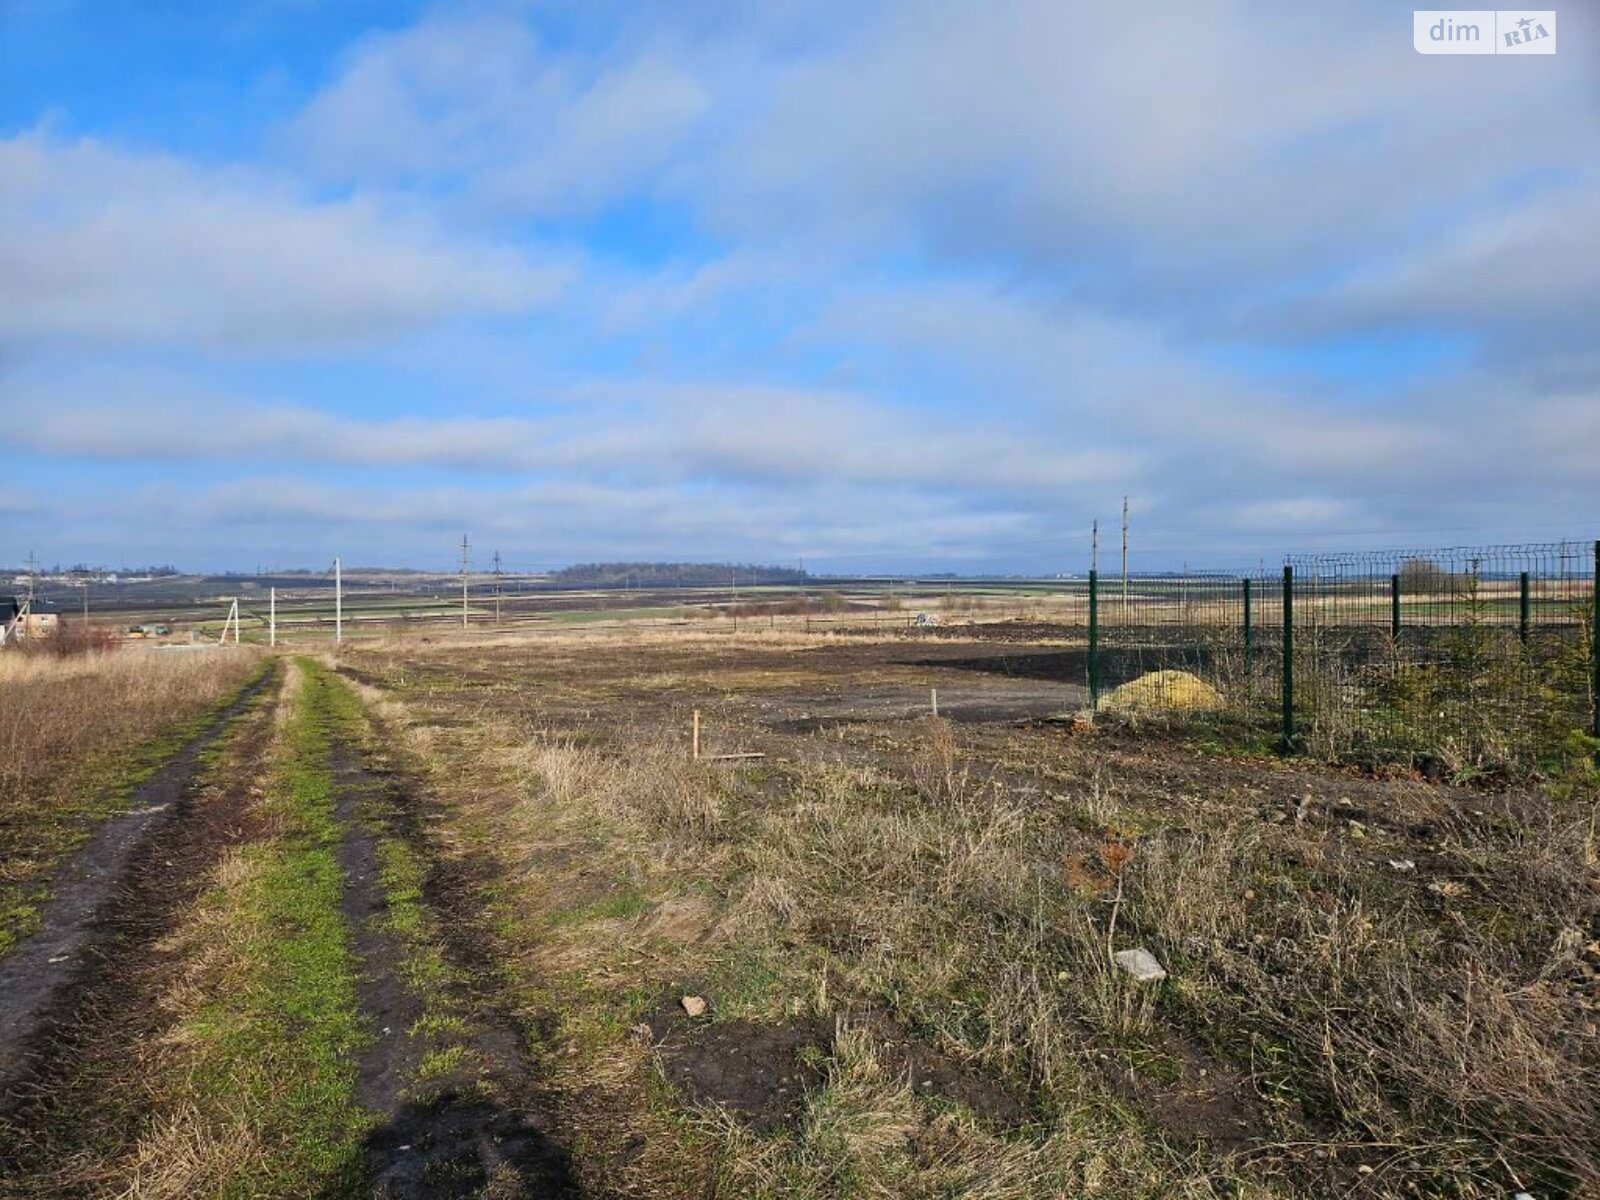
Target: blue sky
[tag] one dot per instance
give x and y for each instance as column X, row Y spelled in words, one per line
column 883, row 286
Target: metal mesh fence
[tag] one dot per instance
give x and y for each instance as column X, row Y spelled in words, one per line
column 1469, row 657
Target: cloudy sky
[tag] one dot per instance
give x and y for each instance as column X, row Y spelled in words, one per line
column 883, row 286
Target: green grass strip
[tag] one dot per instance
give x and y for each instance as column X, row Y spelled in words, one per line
column 279, row 1045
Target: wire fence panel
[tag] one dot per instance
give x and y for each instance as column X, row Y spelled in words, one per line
column 1466, row 658
column 1469, row 656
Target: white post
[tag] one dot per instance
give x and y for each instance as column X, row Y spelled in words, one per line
column 338, row 603
column 272, row 616
column 236, row 621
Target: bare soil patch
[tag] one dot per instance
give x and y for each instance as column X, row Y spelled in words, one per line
column 758, row 1071
column 485, row 1124
column 761, row 1071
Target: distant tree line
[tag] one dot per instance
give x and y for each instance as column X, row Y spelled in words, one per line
column 660, row 574
column 85, row 569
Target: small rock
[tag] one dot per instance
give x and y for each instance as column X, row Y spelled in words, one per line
column 695, row 1006
column 1141, row 964
column 1402, row 864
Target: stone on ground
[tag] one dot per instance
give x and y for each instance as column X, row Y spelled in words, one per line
column 1142, row 965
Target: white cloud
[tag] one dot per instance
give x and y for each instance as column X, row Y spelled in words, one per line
column 944, row 279
column 98, row 242
column 757, row 436
column 565, row 521
column 476, row 96
column 1119, row 380
column 1292, row 512
column 1182, row 145
column 1532, row 270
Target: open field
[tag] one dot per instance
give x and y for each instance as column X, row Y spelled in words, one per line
column 422, row 919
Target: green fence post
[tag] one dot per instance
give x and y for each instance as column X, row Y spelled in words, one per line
column 1288, row 660
column 1094, row 640
column 1394, row 607
column 1249, row 635
column 1523, row 607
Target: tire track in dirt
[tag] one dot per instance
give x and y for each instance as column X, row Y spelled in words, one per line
column 70, row 1087
column 68, row 948
column 486, row 1130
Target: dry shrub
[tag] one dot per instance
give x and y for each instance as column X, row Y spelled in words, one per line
column 68, row 639
column 941, row 773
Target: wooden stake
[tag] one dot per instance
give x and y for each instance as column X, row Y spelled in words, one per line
column 697, row 734
column 935, row 701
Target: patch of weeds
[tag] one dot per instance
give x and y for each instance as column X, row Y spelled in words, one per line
column 440, row 1064
column 1229, row 736
column 752, row 978
column 438, row 1025
column 625, row 904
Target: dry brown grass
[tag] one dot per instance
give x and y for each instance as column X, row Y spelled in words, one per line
column 59, row 711
column 75, row 732
column 1339, row 1026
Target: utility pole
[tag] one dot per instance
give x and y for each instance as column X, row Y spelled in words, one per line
column 465, row 551
column 338, row 602
column 497, row 587
column 1124, row 557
